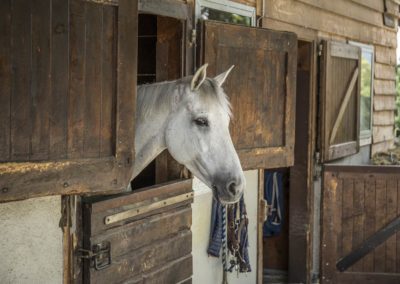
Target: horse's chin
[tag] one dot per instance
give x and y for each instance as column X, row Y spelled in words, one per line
column 223, row 201
column 216, row 194
column 227, row 201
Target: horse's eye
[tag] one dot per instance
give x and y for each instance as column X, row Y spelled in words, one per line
column 201, row 121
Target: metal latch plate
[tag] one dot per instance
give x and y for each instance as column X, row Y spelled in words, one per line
column 99, row 255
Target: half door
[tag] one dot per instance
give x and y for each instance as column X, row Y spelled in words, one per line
column 68, row 93
column 261, row 89
column 360, row 224
column 140, row 237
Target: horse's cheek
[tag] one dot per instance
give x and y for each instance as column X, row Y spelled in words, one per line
column 176, row 145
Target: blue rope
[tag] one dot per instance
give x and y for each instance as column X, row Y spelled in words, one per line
column 224, row 250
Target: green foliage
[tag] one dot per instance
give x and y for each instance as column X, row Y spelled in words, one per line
column 365, row 115
column 397, row 112
column 227, row 17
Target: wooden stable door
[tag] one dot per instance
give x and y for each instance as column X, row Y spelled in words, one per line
column 339, row 99
column 261, row 89
column 139, row 237
column 67, row 96
column 360, row 225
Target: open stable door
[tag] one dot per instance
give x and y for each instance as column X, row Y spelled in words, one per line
column 261, row 89
column 140, row 237
column 360, row 224
column 339, row 100
column 68, row 93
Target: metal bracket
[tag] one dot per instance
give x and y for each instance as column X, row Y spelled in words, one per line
column 147, row 208
column 193, row 38
column 317, row 166
column 99, row 256
column 320, row 49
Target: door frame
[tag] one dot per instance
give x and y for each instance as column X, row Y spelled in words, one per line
column 71, row 221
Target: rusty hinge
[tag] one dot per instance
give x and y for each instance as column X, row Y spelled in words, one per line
column 99, row 256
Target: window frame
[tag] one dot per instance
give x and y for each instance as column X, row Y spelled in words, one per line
column 227, row 6
column 366, row 135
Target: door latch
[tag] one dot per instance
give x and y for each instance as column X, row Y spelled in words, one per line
column 99, row 256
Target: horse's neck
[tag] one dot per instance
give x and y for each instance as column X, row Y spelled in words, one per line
column 149, row 136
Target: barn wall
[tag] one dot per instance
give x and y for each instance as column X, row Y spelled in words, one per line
column 251, row 3
column 356, row 20
column 209, row 269
column 31, row 241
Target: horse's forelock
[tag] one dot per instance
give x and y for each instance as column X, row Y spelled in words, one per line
column 210, row 89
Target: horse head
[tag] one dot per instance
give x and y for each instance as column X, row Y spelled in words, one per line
column 197, row 135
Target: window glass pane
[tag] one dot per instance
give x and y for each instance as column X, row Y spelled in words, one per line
column 365, row 101
column 221, row 16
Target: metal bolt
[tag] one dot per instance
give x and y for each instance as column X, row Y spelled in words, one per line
column 65, row 184
column 4, row 189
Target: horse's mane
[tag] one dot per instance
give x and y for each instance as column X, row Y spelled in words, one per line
column 161, row 96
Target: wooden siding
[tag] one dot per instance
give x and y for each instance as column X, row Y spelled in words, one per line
column 251, row 3
column 355, row 20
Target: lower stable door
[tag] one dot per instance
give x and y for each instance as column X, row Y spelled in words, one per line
column 140, row 237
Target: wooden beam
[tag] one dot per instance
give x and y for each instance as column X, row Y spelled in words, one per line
column 369, row 245
column 104, row 2
column 343, row 106
column 261, row 213
column 27, row 180
column 167, row 8
column 298, row 13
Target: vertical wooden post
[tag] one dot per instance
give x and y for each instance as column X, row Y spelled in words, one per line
column 260, row 222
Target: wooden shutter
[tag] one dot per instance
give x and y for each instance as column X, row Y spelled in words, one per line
column 142, row 237
column 339, row 99
column 261, row 89
column 68, row 78
column 360, row 224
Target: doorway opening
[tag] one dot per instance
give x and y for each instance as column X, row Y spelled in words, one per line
column 285, row 254
column 160, row 58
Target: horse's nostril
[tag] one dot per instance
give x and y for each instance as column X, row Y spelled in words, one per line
column 232, row 188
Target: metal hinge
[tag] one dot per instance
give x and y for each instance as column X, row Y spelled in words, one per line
column 193, row 38
column 317, row 166
column 99, row 256
column 320, row 49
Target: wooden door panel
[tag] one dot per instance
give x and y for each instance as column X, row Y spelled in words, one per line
column 261, row 89
column 360, row 228
column 339, row 101
column 70, row 90
column 143, row 245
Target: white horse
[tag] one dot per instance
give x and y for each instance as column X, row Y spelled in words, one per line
column 190, row 117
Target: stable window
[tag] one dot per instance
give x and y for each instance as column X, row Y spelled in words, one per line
column 226, row 11
column 366, row 92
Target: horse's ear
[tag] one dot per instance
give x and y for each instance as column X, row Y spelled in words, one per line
column 199, row 78
column 222, row 77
